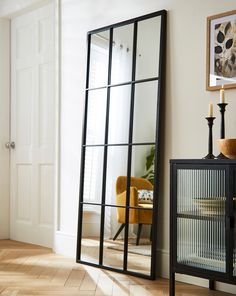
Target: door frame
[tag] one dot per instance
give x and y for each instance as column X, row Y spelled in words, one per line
column 57, row 71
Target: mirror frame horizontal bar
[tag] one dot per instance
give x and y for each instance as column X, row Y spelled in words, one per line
column 122, row 144
column 130, row 21
column 156, row 78
column 132, row 273
column 114, row 206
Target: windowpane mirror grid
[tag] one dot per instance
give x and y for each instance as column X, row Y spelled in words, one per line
column 96, row 116
column 117, row 159
column 147, row 57
column 90, row 241
column 99, row 55
column 122, row 54
column 113, row 248
column 145, row 106
column 119, row 114
column 201, row 218
column 93, row 177
column 123, row 143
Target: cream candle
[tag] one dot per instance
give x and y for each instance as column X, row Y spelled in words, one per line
column 210, row 110
column 222, row 95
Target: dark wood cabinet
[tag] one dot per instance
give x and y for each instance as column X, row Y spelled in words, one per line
column 202, row 220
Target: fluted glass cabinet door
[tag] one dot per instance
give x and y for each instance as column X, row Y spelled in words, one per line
column 201, row 204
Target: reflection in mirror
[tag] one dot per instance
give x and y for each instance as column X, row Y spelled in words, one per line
column 117, row 157
column 148, row 45
column 99, row 54
column 139, row 255
column 143, row 160
column 122, row 54
column 145, row 105
column 113, row 246
column 93, row 174
column 96, row 116
column 140, row 217
column 141, row 195
column 91, row 233
column 119, row 114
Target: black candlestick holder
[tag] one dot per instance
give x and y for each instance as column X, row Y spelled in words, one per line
column 222, row 107
column 210, row 146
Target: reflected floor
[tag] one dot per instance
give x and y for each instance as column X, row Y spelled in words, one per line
column 139, row 257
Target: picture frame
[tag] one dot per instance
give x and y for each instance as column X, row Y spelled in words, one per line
column 221, row 51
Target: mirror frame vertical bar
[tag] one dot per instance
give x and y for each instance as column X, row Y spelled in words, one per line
column 105, row 151
column 82, row 161
column 159, row 113
column 135, row 32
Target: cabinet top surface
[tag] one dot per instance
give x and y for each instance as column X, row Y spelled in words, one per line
column 204, row 161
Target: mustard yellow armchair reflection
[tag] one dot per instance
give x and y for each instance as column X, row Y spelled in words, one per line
column 140, row 216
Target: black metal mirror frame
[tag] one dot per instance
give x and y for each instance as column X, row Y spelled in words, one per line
column 160, row 95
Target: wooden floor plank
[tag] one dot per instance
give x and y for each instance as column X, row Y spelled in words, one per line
column 61, row 276
column 104, row 286
column 75, row 278
column 120, row 288
column 89, row 283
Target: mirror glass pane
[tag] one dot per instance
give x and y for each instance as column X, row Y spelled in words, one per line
column 99, row 54
column 119, row 114
column 122, row 54
column 91, row 233
column 113, row 249
column 117, row 157
column 139, row 253
column 140, row 217
column 143, row 159
column 148, row 45
column 96, row 116
column 93, row 174
column 145, row 105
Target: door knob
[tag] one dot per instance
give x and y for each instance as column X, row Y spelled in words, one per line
column 10, row 145
column 13, row 145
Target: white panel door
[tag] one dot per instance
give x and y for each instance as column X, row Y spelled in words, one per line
column 32, row 127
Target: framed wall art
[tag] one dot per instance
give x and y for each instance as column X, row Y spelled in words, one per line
column 221, row 51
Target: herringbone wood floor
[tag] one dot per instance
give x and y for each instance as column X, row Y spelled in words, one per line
column 32, row 270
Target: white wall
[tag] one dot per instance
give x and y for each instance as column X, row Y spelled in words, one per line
column 4, row 127
column 185, row 129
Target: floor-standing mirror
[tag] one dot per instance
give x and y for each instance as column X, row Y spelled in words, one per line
column 118, row 204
